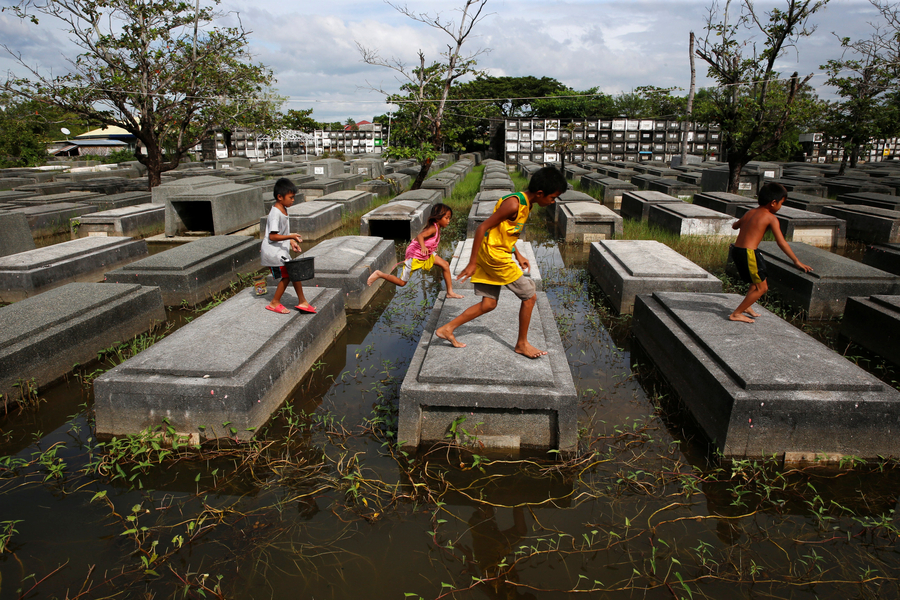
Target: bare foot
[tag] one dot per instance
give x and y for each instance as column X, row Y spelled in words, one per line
column 442, row 333
column 740, row 317
column 530, row 351
column 454, row 295
column 752, row 313
column 374, row 277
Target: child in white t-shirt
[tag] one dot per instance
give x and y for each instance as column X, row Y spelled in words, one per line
column 278, row 241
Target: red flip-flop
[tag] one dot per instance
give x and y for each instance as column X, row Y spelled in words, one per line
column 280, row 309
column 306, row 309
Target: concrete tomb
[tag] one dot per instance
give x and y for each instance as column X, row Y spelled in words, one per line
column 444, row 186
column 10, row 195
column 673, row 187
column 29, row 273
column 16, row 234
column 219, row 209
column 326, row 168
column 398, row 220
column 420, row 195
column 59, row 198
column 690, row 219
column 346, row 262
column 838, row 186
column 140, row 220
column 320, row 187
column 810, row 203
column 193, row 272
column 463, row 252
column 777, row 391
column 568, row 197
column 369, row 168
column 120, row 200
column 348, row 181
column 723, row 202
column 376, row 187
column 867, row 223
column 874, row 324
column 642, row 180
column 508, row 401
column 636, row 205
column 169, row 189
column 403, row 180
column 53, row 219
column 350, row 201
column 823, row 292
column 312, row 220
column 588, row 222
column 42, row 337
column 625, row 268
column 223, row 374
column 885, row 257
column 611, row 190
column 824, row 231
column 886, row 201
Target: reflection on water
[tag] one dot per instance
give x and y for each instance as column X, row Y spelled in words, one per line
column 324, row 506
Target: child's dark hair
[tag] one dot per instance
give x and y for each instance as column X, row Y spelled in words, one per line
column 283, row 187
column 548, row 180
column 771, row 192
column 437, row 213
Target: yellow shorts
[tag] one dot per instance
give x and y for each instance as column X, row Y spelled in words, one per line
column 413, row 264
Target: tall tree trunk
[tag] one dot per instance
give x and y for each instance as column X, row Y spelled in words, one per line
column 690, row 104
column 423, row 173
column 843, row 168
column 735, row 166
column 854, row 155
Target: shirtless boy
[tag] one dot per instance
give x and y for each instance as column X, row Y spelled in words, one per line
column 747, row 258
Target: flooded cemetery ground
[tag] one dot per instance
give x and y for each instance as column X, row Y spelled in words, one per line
column 324, row 505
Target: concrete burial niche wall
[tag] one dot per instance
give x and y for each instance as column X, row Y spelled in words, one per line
column 874, row 324
column 42, row 337
column 626, row 268
column 346, row 262
column 87, row 259
column 219, row 209
column 778, row 391
column 506, row 400
column 463, row 252
column 195, row 271
column 223, row 374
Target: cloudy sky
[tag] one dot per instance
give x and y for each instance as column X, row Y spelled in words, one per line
column 615, row 45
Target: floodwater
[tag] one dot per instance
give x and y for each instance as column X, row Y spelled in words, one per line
column 327, row 507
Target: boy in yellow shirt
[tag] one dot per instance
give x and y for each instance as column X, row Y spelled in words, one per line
column 491, row 264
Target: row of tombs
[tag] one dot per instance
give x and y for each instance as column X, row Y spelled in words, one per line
column 236, row 364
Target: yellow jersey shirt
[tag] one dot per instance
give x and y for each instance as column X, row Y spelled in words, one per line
column 496, row 264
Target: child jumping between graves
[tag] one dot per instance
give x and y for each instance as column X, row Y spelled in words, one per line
column 421, row 253
column 277, row 243
column 747, row 258
column 491, row 264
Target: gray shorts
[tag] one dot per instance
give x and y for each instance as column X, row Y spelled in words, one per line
column 523, row 288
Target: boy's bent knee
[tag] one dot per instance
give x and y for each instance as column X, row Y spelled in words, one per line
column 488, row 304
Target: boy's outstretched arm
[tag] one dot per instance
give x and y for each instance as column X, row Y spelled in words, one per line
column 782, row 243
column 508, row 210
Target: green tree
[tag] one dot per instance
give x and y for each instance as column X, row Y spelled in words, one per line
column 426, row 132
column 300, row 120
column 23, row 141
column 510, row 96
column 865, row 78
column 752, row 111
column 159, row 69
column 571, row 104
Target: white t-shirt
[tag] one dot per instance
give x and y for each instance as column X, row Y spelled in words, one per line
column 273, row 254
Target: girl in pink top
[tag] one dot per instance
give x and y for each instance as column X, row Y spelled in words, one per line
column 421, row 252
